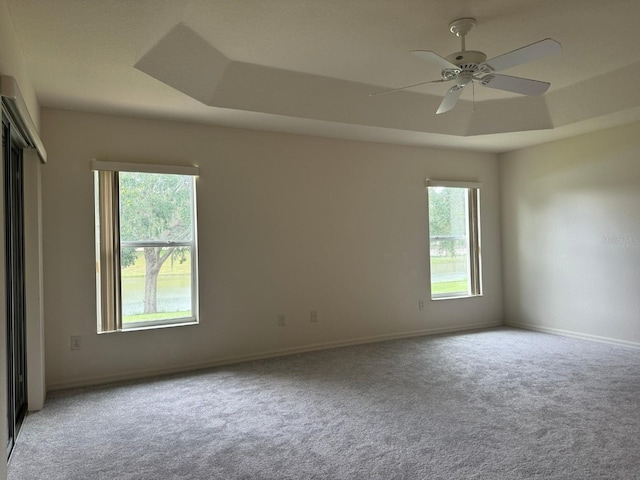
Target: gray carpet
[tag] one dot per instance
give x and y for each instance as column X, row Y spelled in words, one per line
column 497, row 404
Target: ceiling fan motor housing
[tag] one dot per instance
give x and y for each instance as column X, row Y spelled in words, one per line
column 467, row 59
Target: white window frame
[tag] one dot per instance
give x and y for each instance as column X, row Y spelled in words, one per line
column 108, row 246
column 473, row 236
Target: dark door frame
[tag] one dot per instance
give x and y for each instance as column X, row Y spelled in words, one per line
column 15, row 282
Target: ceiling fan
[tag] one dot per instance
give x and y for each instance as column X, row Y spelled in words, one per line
column 469, row 66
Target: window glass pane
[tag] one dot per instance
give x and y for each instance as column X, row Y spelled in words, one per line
column 449, row 241
column 155, row 207
column 150, row 297
column 156, row 277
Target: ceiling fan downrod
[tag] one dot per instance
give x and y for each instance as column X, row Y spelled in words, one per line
column 460, row 28
column 466, row 60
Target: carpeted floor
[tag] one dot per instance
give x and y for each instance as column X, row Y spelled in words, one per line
column 497, row 404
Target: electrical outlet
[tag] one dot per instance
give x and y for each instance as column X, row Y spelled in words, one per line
column 281, row 320
column 314, row 316
column 420, row 304
column 76, row 342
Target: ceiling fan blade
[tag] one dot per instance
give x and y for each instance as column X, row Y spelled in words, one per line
column 450, row 99
column 537, row 50
column 384, row 92
column 523, row 86
column 435, row 58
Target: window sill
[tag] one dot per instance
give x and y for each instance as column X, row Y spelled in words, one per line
column 139, row 327
column 455, row 297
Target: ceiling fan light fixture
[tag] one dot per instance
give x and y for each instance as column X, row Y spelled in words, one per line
column 464, row 79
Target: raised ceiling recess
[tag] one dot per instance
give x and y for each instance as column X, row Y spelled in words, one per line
column 306, row 66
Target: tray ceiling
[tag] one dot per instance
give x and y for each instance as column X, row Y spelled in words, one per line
column 308, row 66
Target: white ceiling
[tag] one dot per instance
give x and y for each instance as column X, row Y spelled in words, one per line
column 308, row 66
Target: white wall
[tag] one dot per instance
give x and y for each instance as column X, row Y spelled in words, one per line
column 287, row 224
column 571, row 235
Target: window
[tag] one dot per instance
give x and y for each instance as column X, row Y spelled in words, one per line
column 454, row 239
column 146, row 254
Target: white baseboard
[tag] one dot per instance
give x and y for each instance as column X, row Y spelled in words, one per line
column 139, row 374
column 572, row 334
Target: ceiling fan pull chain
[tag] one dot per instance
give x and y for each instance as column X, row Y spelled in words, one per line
column 473, row 97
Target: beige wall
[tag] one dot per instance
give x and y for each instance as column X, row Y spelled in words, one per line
column 36, row 382
column 12, row 62
column 287, row 224
column 571, row 235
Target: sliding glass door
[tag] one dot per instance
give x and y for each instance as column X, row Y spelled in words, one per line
column 14, row 282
